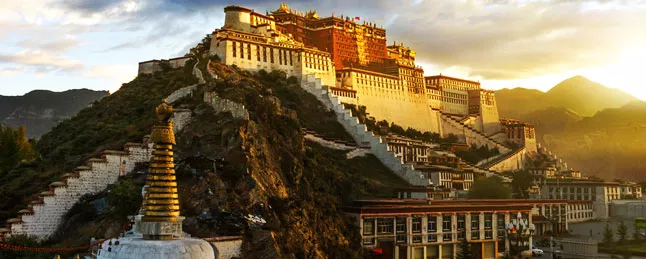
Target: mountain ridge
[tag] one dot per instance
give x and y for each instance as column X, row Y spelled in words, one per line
column 577, row 93
column 40, row 110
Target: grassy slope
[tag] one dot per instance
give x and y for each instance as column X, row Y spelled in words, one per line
column 125, row 116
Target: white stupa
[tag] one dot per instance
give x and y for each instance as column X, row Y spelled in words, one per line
column 157, row 231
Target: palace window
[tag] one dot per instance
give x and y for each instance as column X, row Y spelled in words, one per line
column 488, row 220
column 432, row 224
column 264, row 54
column 401, row 225
column 368, row 226
column 235, row 50
column 475, row 221
column 257, row 53
column 446, row 228
column 241, row 50
column 461, row 222
column 385, row 226
column 249, row 51
column 290, row 58
column 475, row 234
column 271, row 55
column 417, row 224
column 488, row 234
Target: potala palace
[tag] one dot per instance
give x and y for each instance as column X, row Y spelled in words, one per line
column 347, row 64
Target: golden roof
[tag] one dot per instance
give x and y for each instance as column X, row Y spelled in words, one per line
column 283, row 7
column 312, row 14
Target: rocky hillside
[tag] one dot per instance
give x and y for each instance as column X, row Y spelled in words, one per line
column 41, row 110
column 577, row 94
column 228, row 167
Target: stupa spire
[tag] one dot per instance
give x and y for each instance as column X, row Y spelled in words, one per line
column 161, row 201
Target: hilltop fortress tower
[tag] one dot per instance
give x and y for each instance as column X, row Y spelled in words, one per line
column 354, row 62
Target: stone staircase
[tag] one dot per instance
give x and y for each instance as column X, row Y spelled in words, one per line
column 473, row 136
column 43, row 215
column 493, row 162
column 353, row 149
column 362, row 135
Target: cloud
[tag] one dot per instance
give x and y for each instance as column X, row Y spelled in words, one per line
column 10, row 71
column 507, row 40
column 41, row 62
column 57, row 45
column 92, row 6
column 485, row 39
column 111, row 71
column 115, row 73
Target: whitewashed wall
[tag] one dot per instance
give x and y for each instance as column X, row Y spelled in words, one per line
column 49, row 211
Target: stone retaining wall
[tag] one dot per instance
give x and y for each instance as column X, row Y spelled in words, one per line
column 181, row 93
column 42, row 216
column 224, row 105
column 227, row 248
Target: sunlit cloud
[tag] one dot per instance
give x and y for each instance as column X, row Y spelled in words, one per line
column 41, row 62
column 502, row 43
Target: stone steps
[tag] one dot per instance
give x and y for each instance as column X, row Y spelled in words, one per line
column 362, row 136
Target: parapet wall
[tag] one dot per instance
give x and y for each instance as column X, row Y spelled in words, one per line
column 223, row 105
column 509, row 162
column 470, row 135
column 226, row 247
column 42, row 216
column 155, row 65
column 181, row 93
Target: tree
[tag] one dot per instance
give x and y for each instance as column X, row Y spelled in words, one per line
column 451, row 138
column 622, row 231
column 489, row 188
column 608, row 236
column 520, row 183
column 15, row 148
column 125, row 198
column 465, row 251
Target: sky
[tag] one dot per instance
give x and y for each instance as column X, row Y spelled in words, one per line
column 97, row 44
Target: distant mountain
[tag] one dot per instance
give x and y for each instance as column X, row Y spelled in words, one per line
column 551, row 120
column 40, row 110
column 609, row 144
column 577, row 94
column 513, row 103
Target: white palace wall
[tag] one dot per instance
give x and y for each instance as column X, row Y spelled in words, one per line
column 254, row 52
column 386, row 98
column 46, row 214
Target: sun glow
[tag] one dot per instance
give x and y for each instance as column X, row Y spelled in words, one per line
column 626, row 74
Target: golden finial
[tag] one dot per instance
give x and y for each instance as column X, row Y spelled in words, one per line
column 164, row 112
